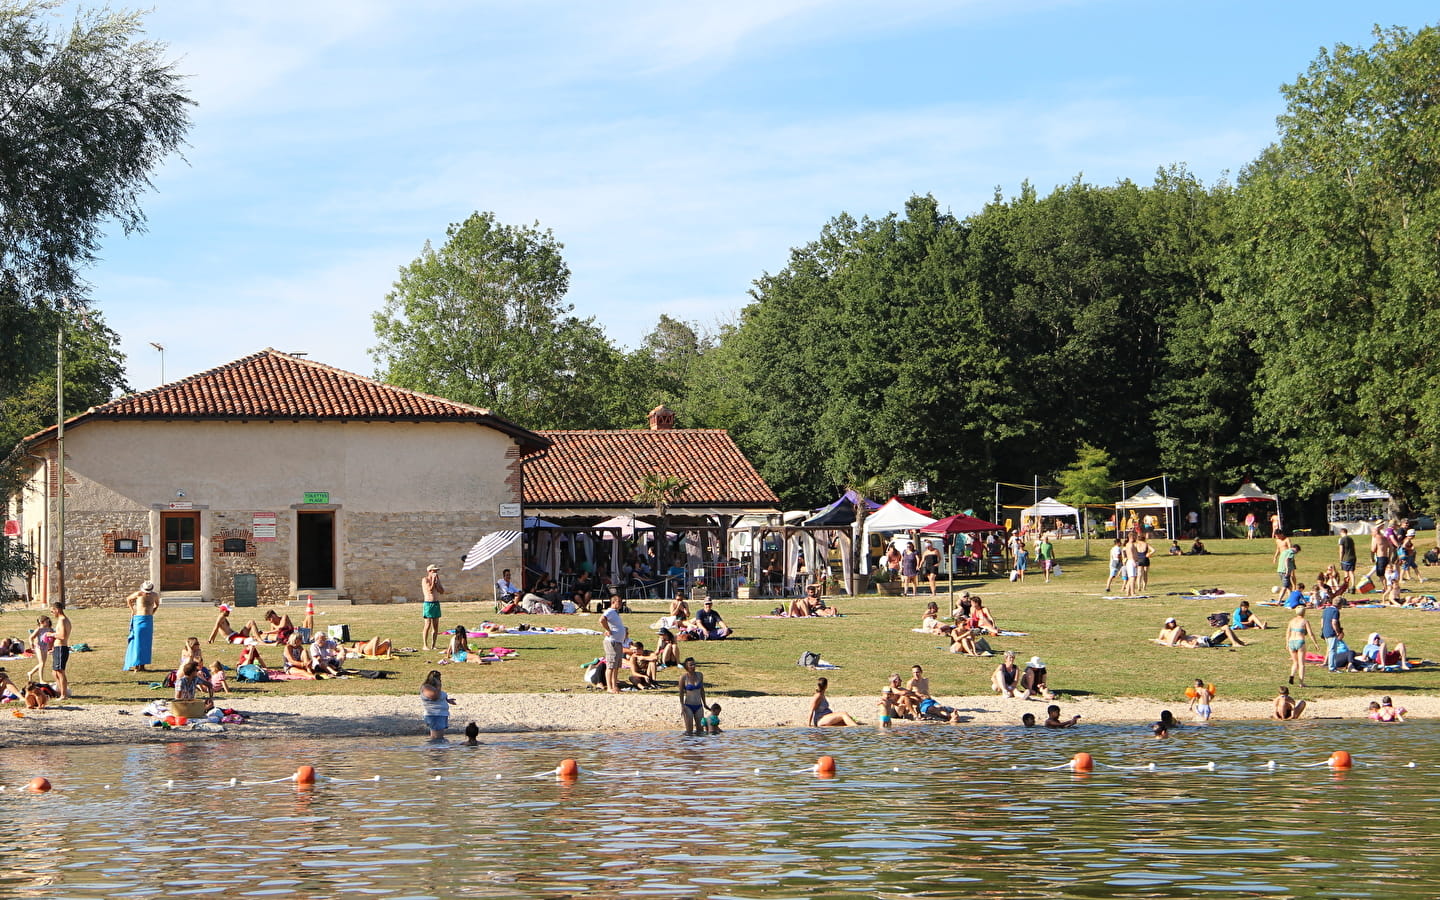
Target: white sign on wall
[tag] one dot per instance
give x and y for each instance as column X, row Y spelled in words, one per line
column 509, row 510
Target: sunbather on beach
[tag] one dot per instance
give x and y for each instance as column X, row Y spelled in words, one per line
column 1378, row 653
column 668, row 652
column 297, row 661
column 222, row 630
column 1006, row 679
column 1173, row 635
column 250, row 655
column 821, row 715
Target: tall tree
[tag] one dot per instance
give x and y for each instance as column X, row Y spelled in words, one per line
column 86, row 114
column 483, row 320
column 1086, row 483
column 1339, row 269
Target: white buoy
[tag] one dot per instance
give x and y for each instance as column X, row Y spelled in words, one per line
column 1270, row 764
column 1210, row 766
column 437, row 777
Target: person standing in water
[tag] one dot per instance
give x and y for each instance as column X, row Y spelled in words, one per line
column 436, row 704
column 692, row 697
column 142, row 604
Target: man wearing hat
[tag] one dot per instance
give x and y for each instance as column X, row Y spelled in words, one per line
column 431, row 589
column 1032, row 680
column 142, row 604
column 714, row 626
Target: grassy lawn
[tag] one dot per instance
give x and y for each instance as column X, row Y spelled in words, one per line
column 1092, row 646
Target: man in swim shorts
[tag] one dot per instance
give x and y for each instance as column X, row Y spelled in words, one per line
column 1347, row 560
column 430, row 591
column 60, row 652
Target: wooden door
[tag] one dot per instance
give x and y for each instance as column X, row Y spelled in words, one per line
column 180, row 551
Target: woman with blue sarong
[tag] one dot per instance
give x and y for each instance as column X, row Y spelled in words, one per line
column 143, row 604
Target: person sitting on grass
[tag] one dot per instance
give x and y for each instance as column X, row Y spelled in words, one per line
column 297, row 661
column 325, row 655
column 222, row 630
column 981, row 622
column 712, row 627
column 1242, row 617
column 1174, row 549
column 250, row 655
column 1173, row 635
column 280, row 628
column 1198, row 548
column 962, row 640
column 642, row 666
column 668, row 652
column 1381, row 655
column 930, row 623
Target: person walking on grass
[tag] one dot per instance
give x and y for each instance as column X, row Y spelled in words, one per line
column 1045, row 552
column 1117, row 563
column 1297, row 634
column 430, row 591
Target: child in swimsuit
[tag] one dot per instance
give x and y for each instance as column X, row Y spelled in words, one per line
column 712, row 721
column 1200, row 697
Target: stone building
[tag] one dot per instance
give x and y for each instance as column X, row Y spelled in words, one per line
column 311, row 479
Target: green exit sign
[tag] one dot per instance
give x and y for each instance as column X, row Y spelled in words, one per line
column 317, row 496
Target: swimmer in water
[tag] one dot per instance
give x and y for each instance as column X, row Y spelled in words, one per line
column 1028, row 720
column 1053, row 720
column 1167, row 723
column 472, row 735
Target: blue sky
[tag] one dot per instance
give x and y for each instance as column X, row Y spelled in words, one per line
column 678, row 150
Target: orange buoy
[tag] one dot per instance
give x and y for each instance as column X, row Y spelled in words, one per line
column 825, row 767
column 1082, row 762
column 305, row 775
column 39, row 784
column 1340, row 760
column 568, row 769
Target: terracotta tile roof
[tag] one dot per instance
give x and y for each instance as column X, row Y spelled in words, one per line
column 275, row 385
column 604, row 468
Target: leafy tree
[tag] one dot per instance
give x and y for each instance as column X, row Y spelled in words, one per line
column 1338, row 270
column 483, row 320
column 1086, row 483
column 86, row 113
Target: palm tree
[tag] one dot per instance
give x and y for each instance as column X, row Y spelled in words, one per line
column 661, row 492
column 864, row 488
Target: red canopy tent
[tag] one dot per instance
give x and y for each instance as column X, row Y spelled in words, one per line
column 951, row 526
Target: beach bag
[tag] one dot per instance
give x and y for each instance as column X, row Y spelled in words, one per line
column 251, row 672
column 1055, row 569
column 1218, row 620
column 1014, row 574
column 339, row 632
column 809, row 659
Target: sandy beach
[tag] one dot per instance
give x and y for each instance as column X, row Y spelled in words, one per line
column 336, row 716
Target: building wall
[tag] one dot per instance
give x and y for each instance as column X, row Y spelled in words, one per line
column 404, row 495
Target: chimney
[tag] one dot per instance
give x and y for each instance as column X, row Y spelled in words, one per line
column 661, row 418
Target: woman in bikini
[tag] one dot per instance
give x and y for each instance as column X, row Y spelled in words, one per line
column 692, row 697
column 40, row 638
column 821, row 715
column 1297, row 631
column 980, row 619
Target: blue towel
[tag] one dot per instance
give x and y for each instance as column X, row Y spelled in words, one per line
column 142, row 635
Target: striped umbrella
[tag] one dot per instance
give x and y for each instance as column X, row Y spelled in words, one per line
column 489, row 547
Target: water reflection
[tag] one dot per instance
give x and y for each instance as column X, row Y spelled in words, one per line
column 933, row 812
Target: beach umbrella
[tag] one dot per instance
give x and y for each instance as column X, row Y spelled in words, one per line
column 951, row 526
column 489, row 547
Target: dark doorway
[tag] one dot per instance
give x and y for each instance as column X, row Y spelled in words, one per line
column 180, row 558
column 315, row 550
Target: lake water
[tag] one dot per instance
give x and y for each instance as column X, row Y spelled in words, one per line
column 918, row 812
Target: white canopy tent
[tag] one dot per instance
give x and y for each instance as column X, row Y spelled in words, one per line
column 1357, row 507
column 1147, row 498
column 1050, row 508
column 897, row 515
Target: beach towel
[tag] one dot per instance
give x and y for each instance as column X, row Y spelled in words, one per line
column 552, row 631
column 137, row 647
column 772, row 616
column 1196, row 596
